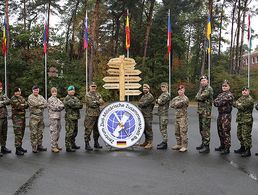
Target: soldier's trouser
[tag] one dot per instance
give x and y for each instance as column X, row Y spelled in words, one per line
column 55, row 128
column 204, row 125
column 148, row 129
column 181, row 129
column 71, row 128
column 224, row 128
column 163, row 125
column 91, row 124
column 244, row 135
column 3, row 131
column 36, row 130
column 19, row 129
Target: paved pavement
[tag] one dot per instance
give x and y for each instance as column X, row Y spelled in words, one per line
column 132, row 171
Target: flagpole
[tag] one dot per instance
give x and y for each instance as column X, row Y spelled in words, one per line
column 249, row 51
column 127, row 55
column 86, row 59
column 46, row 76
column 5, row 74
column 209, row 48
column 169, row 59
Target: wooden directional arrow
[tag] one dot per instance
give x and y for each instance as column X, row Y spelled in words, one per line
column 116, row 62
column 132, row 92
column 127, row 79
column 127, row 72
column 111, row 79
column 127, row 86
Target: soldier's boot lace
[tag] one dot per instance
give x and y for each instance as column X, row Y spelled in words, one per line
column 88, row 147
column 96, row 144
column 19, row 152
column 5, row 150
column 205, row 149
column 247, row 153
column 240, row 150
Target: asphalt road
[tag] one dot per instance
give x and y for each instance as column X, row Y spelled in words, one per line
column 132, row 171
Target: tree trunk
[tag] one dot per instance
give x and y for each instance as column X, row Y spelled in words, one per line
column 232, row 38
column 81, row 48
column 220, row 27
column 148, row 27
column 93, row 33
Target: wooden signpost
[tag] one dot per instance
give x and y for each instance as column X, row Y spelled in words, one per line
column 123, row 77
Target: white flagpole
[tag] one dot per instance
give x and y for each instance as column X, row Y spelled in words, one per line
column 5, row 74
column 46, row 76
column 127, row 55
column 86, row 61
column 169, row 60
column 249, row 51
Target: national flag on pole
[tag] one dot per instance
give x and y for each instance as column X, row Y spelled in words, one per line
column 169, row 34
column 209, row 33
column 249, row 33
column 45, row 35
column 4, row 49
column 85, row 36
column 127, row 33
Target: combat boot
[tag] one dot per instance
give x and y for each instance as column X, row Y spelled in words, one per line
column 34, row 149
column 162, row 146
column 240, row 150
column 183, row 149
column 5, row 150
column 70, row 150
column 220, row 148
column 74, row 146
column 176, row 147
column 205, row 149
column 200, row 147
column 1, row 154
column 225, row 151
column 55, row 150
column 144, row 144
column 19, row 152
column 246, row 153
column 41, row 148
column 23, row 150
column 88, row 147
column 96, row 144
column 59, row 148
column 148, row 146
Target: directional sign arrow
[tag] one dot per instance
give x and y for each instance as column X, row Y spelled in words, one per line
column 127, row 86
column 127, row 79
column 111, row 86
column 111, row 79
column 127, row 72
column 132, row 92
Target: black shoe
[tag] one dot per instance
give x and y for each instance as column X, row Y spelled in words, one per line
column 240, row 150
column 256, row 154
column 247, row 153
column 76, row 147
column 225, row 151
column 220, row 148
column 70, row 150
column 200, row 147
column 88, row 147
column 1, row 154
column 23, row 150
column 162, row 146
column 96, row 144
column 204, row 150
column 42, row 149
column 5, row 150
column 19, row 152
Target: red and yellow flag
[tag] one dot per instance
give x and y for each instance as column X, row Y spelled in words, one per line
column 4, row 49
column 127, row 34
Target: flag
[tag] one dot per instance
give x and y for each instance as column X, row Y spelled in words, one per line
column 249, row 33
column 169, row 34
column 4, row 49
column 209, row 33
column 85, row 36
column 127, row 33
column 45, row 35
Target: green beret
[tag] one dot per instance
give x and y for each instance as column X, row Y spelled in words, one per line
column 70, row 88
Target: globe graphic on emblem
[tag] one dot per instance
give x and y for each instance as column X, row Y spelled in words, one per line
column 114, row 122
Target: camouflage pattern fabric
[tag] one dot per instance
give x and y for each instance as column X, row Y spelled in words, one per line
column 4, row 101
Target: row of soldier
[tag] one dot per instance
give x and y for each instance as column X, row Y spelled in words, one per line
column 72, row 105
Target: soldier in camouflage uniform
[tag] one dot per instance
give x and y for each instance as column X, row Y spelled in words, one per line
column 244, row 119
column 204, row 98
column 163, row 106
column 146, row 104
column 93, row 103
column 180, row 104
column 72, row 114
column 37, row 104
column 224, row 102
column 19, row 105
column 55, row 106
column 4, row 101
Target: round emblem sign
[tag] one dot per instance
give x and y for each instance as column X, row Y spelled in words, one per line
column 121, row 124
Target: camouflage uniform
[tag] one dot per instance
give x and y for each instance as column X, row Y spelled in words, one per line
column 224, row 102
column 93, row 102
column 244, row 119
column 19, row 104
column 72, row 114
column 204, row 98
column 37, row 105
column 163, row 106
column 146, row 104
column 3, row 119
column 55, row 106
column 180, row 103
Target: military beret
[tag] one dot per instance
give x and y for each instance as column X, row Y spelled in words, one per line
column 225, row 82
column 245, row 88
column 180, row 87
column 203, row 77
column 70, row 88
column 146, row 85
column 16, row 89
column 93, row 84
column 35, row 87
column 164, row 84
